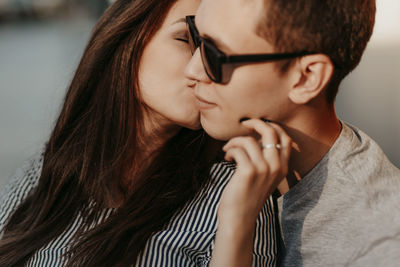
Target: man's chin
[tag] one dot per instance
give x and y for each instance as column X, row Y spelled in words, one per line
column 220, row 131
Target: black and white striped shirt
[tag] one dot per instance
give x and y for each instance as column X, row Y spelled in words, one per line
column 188, row 239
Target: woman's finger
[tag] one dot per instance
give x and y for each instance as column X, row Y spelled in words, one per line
column 237, row 154
column 270, row 142
column 253, row 150
column 245, row 167
column 286, row 146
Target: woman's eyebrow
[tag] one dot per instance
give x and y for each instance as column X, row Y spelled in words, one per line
column 179, row 21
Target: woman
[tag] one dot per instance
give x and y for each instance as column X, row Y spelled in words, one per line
column 124, row 181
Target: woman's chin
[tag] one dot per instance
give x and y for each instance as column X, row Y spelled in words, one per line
column 193, row 126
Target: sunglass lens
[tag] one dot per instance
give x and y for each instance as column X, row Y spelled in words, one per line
column 211, row 63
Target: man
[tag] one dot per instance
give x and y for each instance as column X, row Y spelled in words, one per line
column 340, row 206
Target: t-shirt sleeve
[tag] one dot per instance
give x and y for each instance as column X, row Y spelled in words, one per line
column 20, row 185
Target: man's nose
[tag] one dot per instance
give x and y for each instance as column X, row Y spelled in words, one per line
column 195, row 69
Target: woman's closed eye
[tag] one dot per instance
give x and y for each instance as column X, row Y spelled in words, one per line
column 181, row 36
column 182, row 40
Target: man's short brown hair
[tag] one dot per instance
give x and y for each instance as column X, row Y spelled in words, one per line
column 339, row 29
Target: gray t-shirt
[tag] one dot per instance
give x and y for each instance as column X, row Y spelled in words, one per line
column 346, row 210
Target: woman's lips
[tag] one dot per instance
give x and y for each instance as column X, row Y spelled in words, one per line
column 203, row 104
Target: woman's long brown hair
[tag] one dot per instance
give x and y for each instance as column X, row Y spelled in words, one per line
column 93, row 148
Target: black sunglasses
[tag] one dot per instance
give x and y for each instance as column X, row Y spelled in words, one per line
column 218, row 65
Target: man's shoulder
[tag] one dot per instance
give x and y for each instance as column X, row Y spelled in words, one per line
column 359, row 159
column 361, row 169
column 355, row 177
column 348, row 203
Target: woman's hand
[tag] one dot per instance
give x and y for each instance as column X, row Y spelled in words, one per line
column 261, row 166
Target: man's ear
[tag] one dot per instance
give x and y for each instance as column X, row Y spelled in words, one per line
column 312, row 74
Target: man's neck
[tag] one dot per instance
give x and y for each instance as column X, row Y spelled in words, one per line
column 313, row 135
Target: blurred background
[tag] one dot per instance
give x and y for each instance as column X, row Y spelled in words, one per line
column 41, row 42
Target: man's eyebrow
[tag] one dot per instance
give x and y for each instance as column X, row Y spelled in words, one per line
column 219, row 43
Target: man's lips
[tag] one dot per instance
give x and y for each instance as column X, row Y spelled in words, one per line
column 203, row 104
